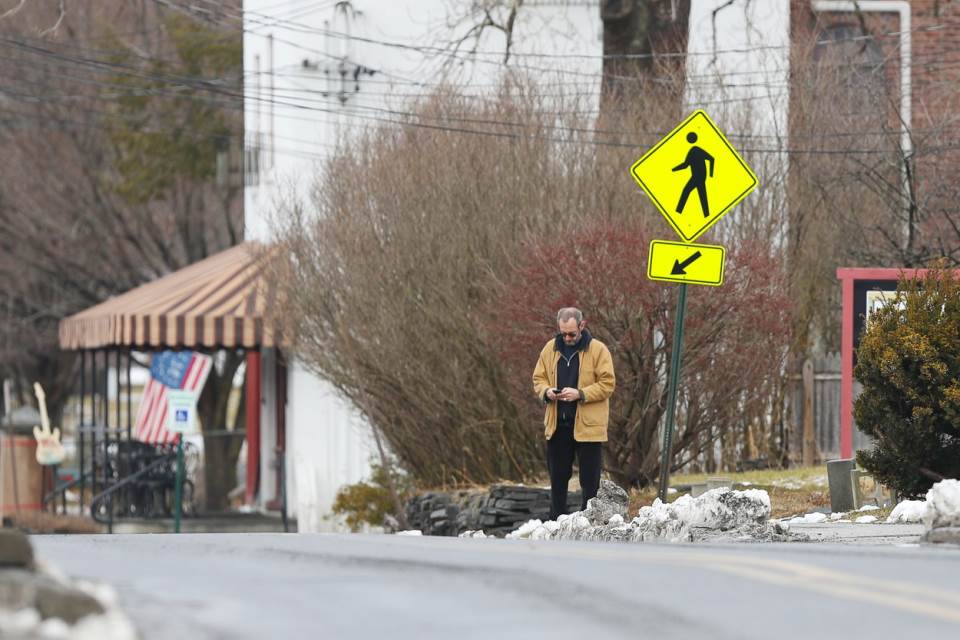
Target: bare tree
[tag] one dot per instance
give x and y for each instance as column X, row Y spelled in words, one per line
column 116, row 119
column 643, row 40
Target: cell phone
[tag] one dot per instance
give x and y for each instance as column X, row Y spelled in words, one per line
column 557, row 391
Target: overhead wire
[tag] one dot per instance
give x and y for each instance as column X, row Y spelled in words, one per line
column 393, row 113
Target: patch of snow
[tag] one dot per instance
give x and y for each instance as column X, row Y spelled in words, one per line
column 616, row 520
column 671, row 491
column 524, row 530
column 836, row 516
column 943, row 505
column 19, row 622
column 473, row 534
column 787, row 483
column 410, row 532
column 809, row 518
column 746, row 484
column 908, row 511
column 53, row 629
column 869, row 507
column 866, row 519
column 112, row 625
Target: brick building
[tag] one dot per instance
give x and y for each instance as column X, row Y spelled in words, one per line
column 909, row 116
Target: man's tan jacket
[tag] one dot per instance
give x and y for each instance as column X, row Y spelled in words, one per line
column 596, row 381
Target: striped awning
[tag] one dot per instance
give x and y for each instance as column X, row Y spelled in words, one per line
column 217, row 302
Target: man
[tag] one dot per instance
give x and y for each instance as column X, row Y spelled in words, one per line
column 574, row 378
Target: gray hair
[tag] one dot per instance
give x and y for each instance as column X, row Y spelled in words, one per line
column 569, row 312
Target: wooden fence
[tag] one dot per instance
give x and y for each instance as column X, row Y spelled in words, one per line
column 815, row 412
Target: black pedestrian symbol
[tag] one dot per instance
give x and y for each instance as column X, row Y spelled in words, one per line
column 696, row 161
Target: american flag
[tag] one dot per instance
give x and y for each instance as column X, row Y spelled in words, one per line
column 187, row 370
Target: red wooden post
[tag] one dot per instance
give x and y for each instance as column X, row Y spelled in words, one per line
column 846, row 367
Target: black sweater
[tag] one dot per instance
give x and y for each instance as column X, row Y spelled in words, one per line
column 568, row 374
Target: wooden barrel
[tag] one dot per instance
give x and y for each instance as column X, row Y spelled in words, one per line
column 22, row 476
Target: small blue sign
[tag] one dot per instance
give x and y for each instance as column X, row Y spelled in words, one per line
column 182, row 411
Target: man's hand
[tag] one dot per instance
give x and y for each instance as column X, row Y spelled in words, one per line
column 551, row 396
column 569, row 394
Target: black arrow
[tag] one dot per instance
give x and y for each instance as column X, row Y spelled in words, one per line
column 678, row 267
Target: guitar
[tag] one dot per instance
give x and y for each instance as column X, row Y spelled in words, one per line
column 49, row 449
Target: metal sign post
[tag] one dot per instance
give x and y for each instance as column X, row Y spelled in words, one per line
column 182, row 418
column 178, row 492
column 676, row 348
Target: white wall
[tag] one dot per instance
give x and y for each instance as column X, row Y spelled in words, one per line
column 330, row 446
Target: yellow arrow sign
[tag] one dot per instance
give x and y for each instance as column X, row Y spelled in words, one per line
column 682, row 262
column 694, row 176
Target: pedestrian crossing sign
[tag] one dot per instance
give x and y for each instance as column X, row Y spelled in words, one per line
column 694, row 176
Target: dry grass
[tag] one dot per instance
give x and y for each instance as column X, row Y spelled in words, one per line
column 792, row 491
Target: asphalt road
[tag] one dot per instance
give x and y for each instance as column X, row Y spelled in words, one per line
column 335, row 586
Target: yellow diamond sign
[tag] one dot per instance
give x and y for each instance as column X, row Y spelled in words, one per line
column 683, row 262
column 694, row 176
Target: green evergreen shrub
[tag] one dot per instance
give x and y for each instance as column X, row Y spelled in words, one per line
column 908, row 361
column 371, row 502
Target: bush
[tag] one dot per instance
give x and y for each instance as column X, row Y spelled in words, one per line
column 371, row 502
column 734, row 342
column 909, row 364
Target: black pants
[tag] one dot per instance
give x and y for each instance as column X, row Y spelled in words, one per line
column 560, row 451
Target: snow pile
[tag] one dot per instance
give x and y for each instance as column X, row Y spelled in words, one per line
column 112, row 624
column 908, row 511
column 866, row 519
column 611, row 501
column 720, row 509
column 473, row 534
column 410, row 532
column 717, row 514
column 942, row 513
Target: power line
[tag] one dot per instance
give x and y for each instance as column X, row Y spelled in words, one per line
column 309, row 29
column 192, row 82
column 406, row 115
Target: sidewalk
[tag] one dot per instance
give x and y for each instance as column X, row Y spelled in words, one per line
column 852, row 533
